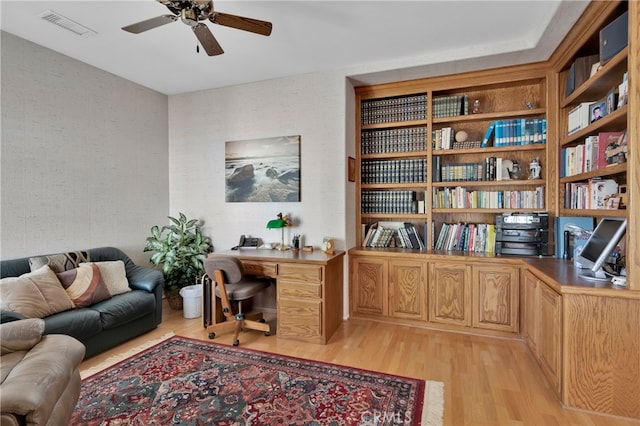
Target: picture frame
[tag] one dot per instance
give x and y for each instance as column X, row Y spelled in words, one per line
column 351, row 169
column 597, row 111
column 264, row 170
column 611, row 101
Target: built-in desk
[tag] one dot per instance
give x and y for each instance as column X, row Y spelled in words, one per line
column 309, row 290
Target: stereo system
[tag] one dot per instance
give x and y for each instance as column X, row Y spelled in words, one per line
column 525, row 233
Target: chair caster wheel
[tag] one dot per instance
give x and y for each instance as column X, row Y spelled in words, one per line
column 267, row 333
column 212, row 336
column 236, row 342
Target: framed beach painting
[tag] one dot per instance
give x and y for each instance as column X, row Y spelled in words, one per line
column 263, row 170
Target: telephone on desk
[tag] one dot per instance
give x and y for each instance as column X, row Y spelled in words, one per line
column 247, row 242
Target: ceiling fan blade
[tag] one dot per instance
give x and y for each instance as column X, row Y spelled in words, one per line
column 207, row 40
column 149, row 24
column 242, row 23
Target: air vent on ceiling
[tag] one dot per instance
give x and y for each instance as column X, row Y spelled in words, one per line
column 66, row 23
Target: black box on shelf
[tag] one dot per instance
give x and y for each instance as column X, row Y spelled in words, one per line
column 614, row 37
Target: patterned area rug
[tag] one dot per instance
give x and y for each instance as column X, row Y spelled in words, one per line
column 191, row 382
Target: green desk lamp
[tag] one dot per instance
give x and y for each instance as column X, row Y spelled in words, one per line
column 279, row 223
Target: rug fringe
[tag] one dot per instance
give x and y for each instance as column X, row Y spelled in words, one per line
column 124, row 355
column 433, row 407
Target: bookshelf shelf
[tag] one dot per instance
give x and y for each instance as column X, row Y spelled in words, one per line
column 490, row 150
column 392, row 155
column 489, row 116
column 593, row 213
column 395, row 124
column 493, row 183
column 611, row 170
column 481, row 211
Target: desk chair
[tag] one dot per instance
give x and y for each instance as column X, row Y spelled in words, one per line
column 232, row 286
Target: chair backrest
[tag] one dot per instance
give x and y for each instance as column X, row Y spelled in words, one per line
column 231, row 267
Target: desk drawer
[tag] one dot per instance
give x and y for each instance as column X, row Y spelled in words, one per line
column 260, row 268
column 300, row 272
column 288, row 288
column 300, row 320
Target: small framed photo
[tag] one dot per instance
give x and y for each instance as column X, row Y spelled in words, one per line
column 597, row 111
column 611, row 101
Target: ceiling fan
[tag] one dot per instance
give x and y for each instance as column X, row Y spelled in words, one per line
column 191, row 12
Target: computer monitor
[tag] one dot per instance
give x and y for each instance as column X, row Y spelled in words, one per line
column 599, row 247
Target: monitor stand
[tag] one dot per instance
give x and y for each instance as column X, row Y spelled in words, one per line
column 599, row 275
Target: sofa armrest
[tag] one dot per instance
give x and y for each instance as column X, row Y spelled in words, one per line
column 36, row 384
column 143, row 278
column 20, row 335
column 9, row 316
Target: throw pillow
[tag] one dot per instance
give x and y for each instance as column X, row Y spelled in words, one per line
column 59, row 262
column 84, row 285
column 35, row 294
column 114, row 275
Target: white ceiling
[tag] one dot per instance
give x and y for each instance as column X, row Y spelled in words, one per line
column 367, row 39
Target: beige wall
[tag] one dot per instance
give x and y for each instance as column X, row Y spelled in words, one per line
column 83, row 155
column 200, row 123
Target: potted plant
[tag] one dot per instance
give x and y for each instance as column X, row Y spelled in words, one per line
column 181, row 249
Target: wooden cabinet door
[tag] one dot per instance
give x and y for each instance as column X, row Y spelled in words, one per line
column 369, row 292
column 450, row 293
column 550, row 337
column 531, row 317
column 495, row 298
column 407, row 289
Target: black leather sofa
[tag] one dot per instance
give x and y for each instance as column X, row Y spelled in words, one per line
column 110, row 322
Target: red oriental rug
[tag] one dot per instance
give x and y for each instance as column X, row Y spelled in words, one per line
column 182, row 381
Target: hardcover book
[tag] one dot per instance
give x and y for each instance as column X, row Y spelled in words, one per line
column 606, row 140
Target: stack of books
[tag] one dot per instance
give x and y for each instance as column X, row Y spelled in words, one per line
column 478, row 238
column 384, row 141
column 393, row 234
column 450, row 105
column 395, row 109
column 516, row 132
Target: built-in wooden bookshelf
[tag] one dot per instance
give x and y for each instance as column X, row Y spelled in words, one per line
column 583, row 335
column 416, row 129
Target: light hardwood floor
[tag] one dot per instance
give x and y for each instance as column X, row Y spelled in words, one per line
column 487, row 381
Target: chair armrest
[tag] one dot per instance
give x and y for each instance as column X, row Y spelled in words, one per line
column 20, row 335
column 143, row 278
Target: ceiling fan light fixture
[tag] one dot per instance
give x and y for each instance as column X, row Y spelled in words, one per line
column 189, row 17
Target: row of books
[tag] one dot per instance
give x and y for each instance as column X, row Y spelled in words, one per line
column 394, row 171
column 467, row 237
column 450, row 105
column 389, row 110
column 593, row 194
column 463, row 198
column 384, row 141
column 491, row 169
column 393, row 202
column 592, row 154
column 516, row 132
column 393, row 234
column 442, row 138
